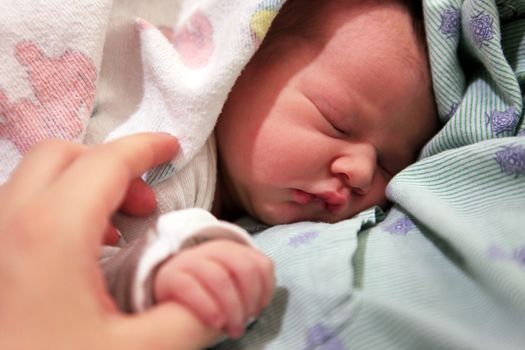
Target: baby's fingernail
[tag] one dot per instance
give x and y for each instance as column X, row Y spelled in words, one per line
column 253, row 313
column 236, row 332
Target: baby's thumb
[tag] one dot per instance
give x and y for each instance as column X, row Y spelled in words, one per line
column 166, row 326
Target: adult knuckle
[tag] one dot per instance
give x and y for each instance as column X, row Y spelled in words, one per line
column 34, row 233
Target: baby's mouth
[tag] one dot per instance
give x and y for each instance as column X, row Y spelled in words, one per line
column 332, row 201
column 302, row 197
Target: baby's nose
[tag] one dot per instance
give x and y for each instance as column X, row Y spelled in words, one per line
column 356, row 169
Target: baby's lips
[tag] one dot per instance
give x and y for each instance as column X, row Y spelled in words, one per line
column 334, row 201
column 302, row 197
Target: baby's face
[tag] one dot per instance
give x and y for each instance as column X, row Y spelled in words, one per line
column 317, row 133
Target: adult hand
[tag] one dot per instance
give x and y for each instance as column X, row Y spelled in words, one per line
column 140, row 200
column 54, row 211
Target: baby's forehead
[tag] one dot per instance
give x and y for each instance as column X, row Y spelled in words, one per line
column 326, row 21
column 383, row 30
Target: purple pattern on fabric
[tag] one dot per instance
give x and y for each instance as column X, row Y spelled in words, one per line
column 320, row 335
column 453, row 108
column 503, row 121
column 495, row 252
column 303, row 238
column 450, row 22
column 519, row 256
column 401, row 226
column 481, row 28
column 511, row 160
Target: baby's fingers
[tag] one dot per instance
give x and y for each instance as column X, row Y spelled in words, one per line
column 267, row 273
column 183, row 288
column 222, row 286
column 258, row 266
column 252, row 270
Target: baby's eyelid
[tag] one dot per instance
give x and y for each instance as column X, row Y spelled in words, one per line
column 340, row 131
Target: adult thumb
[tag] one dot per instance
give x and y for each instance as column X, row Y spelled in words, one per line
column 167, row 326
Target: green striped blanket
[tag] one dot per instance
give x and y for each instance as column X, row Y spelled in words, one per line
column 445, row 269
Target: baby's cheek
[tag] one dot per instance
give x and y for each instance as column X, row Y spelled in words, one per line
column 377, row 195
column 270, row 153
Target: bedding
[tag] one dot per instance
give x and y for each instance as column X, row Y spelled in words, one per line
column 443, row 268
column 95, row 71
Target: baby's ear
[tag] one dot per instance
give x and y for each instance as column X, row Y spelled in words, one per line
column 27, row 52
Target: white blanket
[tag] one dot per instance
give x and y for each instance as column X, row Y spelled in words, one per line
column 154, row 66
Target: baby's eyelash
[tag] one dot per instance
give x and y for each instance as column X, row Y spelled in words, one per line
column 337, row 129
column 340, row 130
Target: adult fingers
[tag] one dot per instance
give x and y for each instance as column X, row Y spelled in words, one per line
column 165, row 326
column 39, row 167
column 94, row 185
column 111, row 236
column 140, row 199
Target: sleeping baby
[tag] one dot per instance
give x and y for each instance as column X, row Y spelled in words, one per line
column 335, row 102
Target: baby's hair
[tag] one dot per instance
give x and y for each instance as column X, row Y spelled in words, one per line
column 301, row 19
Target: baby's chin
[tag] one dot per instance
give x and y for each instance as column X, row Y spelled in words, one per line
column 283, row 214
column 272, row 218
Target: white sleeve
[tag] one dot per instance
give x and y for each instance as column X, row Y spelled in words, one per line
column 175, row 231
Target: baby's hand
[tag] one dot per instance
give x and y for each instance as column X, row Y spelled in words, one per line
column 222, row 282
